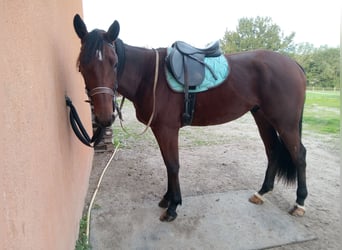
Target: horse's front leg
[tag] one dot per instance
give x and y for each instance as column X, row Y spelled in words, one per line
column 167, row 139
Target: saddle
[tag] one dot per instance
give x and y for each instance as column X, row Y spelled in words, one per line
column 186, row 63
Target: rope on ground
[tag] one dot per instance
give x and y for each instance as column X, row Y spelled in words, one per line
column 97, row 188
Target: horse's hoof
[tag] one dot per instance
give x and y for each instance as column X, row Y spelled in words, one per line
column 167, row 217
column 256, row 199
column 297, row 210
column 163, row 203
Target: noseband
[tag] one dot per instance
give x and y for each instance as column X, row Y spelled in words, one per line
column 101, row 90
column 108, row 91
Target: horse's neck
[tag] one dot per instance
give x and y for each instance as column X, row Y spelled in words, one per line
column 139, row 63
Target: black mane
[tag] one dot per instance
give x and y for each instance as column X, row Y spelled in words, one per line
column 120, row 52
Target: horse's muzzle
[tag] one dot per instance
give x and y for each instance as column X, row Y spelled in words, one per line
column 105, row 121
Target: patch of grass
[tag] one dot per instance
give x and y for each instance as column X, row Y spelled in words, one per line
column 131, row 133
column 322, row 112
column 131, row 130
column 81, row 243
column 326, row 99
column 119, row 136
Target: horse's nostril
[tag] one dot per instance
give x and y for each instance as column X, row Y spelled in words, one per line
column 105, row 122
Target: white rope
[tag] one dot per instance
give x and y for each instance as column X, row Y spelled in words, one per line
column 156, row 70
column 95, row 192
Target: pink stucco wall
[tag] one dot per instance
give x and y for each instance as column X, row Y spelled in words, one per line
column 44, row 169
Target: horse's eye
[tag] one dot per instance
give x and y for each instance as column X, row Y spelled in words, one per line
column 115, row 65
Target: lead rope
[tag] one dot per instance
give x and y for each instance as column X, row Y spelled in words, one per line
column 154, row 99
column 79, row 129
column 95, row 192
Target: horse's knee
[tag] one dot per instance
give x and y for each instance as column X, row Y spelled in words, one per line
column 172, row 170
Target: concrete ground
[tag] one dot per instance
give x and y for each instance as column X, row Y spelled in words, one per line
column 211, row 221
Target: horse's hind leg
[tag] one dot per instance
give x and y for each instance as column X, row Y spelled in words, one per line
column 286, row 158
column 297, row 153
column 271, row 142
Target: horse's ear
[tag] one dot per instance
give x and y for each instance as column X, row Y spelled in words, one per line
column 80, row 27
column 113, row 31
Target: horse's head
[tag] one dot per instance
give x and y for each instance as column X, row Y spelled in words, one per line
column 98, row 65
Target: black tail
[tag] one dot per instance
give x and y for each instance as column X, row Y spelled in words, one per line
column 286, row 169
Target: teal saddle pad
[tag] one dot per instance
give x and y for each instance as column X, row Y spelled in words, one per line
column 218, row 64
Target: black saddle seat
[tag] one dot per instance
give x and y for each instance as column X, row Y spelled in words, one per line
column 186, row 63
column 186, row 49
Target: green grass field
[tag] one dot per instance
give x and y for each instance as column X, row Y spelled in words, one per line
column 322, row 112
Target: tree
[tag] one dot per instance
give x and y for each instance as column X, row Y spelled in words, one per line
column 257, row 33
column 321, row 65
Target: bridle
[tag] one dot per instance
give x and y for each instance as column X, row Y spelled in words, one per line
column 104, row 90
column 76, row 123
column 101, row 90
column 108, row 91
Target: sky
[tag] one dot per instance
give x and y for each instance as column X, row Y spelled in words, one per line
column 153, row 23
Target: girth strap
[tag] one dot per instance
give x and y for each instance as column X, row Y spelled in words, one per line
column 189, row 98
column 189, row 108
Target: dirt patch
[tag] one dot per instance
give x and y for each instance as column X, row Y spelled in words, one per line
column 219, row 159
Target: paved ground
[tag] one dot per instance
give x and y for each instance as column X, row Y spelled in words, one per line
column 211, row 221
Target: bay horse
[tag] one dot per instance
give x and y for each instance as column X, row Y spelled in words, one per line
column 267, row 84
